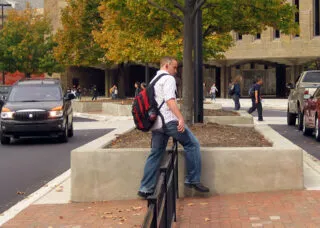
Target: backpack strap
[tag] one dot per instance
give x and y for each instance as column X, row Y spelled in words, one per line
column 152, row 84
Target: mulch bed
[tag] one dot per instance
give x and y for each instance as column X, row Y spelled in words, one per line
column 219, row 112
column 209, row 135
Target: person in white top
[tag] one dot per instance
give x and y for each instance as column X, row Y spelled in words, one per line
column 173, row 126
column 213, row 91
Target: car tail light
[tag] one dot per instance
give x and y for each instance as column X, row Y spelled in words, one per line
column 306, row 92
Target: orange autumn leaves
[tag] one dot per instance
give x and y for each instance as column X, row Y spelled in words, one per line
column 124, row 43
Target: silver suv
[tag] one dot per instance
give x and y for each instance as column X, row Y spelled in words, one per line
column 305, row 86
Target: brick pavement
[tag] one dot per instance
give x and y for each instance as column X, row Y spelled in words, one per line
column 284, row 209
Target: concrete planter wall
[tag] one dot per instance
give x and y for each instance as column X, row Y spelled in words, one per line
column 113, row 174
column 116, row 109
column 87, row 106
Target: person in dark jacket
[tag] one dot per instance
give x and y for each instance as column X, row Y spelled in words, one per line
column 256, row 99
column 138, row 88
column 237, row 92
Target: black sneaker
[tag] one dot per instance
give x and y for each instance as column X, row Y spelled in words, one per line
column 260, row 119
column 198, row 187
column 144, row 194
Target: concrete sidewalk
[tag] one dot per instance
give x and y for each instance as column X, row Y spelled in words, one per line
column 50, row 206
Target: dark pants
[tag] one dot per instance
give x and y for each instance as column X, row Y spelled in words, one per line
column 255, row 106
column 236, row 99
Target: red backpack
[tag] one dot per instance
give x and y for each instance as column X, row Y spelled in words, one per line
column 145, row 108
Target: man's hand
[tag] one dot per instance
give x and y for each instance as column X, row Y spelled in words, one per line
column 181, row 125
column 172, row 104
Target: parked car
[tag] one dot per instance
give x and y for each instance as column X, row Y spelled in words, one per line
column 307, row 83
column 4, row 90
column 311, row 114
column 37, row 107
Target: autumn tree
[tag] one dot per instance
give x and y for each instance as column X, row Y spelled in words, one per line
column 26, row 43
column 76, row 46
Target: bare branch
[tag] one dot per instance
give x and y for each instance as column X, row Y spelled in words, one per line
column 172, row 14
column 179, row 6
column 197, row 7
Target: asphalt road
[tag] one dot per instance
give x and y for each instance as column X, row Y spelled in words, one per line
column 28, row 164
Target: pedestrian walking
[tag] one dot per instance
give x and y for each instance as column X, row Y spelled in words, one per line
column 79, row 91
column 256, row 99
column 237, row 92
column 170, row 123
column 138, row 88
column 143, row 85
column 94, row 93
column 213, row 91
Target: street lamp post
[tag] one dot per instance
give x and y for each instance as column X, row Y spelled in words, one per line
column 2, row 21
column 198, row 73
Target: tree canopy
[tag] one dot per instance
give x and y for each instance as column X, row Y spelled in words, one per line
column 26, row 43
column 76, row 46
column 138, row 25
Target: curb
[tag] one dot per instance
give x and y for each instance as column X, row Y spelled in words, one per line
column 33, row 197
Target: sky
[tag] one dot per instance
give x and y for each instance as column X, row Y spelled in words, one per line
column 20, row 4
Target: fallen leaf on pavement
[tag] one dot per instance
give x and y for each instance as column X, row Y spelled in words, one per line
column 60, row 217
column 107, row 213
column 136, row 208
column 190, row 204
column 20, row 193
column 136, row 214
column 128, row 210
column 203, row 203
column 207, row 219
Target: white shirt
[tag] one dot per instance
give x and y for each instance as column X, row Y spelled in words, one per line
column 165, row 89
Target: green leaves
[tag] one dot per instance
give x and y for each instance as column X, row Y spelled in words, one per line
column 26, row 42
column 76, row 45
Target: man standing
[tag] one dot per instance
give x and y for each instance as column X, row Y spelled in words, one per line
column 172, row 125
column 256, row 99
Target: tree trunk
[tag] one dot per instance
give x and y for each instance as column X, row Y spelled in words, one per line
column 187, row 70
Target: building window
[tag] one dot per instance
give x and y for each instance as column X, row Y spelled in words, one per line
column 258, row 36
column 276, row 33
column 237, row 67
column 252, row 65
column 296, row 16
column 239, row 36
column 316, row 18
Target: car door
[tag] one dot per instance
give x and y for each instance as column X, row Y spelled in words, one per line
column 293, row 97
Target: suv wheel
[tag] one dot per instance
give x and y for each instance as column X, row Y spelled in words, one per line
column 291, row 118
column 64, row 136
column 5, row 140
column 305, row 129
column 300, row 120
column 317, row 129
column 70, row 131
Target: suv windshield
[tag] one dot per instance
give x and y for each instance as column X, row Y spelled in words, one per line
column 35, row 93
column 312, row 77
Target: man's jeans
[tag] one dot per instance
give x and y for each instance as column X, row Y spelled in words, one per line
column 236, row 99
column 255, row 106
column 159, row 142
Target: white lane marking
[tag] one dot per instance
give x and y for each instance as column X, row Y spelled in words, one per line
column 18, row 207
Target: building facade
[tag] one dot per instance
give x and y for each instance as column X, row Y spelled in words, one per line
column 272, row 55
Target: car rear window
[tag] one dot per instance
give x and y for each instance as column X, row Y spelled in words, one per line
column 312, row 77
column 35, row 93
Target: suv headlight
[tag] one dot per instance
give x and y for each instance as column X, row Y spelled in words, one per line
column 6, row 113
column 56, row 112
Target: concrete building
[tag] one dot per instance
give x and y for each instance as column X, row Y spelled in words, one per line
column 276, row 57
